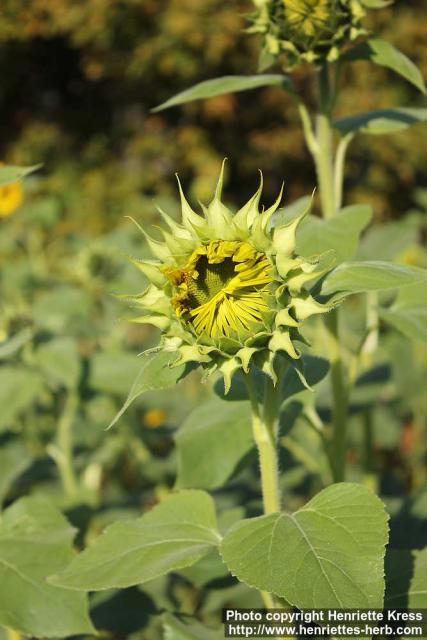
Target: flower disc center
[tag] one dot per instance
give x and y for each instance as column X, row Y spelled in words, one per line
column 307, row 16
column 212, row 278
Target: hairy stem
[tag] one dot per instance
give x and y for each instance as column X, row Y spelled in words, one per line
column 265, row 436
column 340, row 399
column 325, row 166
column 339, row 168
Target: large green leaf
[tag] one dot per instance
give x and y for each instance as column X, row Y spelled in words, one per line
column 35, row 541
column 406, row 579
column 14, row 459
column 408, row 313
column 226, row 84
column 389, row 241
column 340, row 233
column 211, row 442
column 381, row 121
column 328, row 554
column 156, row 372
column 386, row 55
column 19, row 388
column 174, row 535
column 358, row 277
column 11, row 174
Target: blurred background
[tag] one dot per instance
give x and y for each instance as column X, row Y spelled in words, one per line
column 78, row 82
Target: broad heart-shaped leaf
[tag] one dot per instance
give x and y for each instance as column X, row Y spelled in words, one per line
column 386, row 55
column 328, row 554
column 175, row 534
column 381, row 121
column 359, row 277
column 226, row 84
column 156, row 372
column 406, row 579
column 389, row 241
column 12, row 174
column 408, row 313
column 35, row 541
column 211, row 443
column 340, row 233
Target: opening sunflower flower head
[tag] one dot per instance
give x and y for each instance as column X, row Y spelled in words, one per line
column 226, row 289
column 308, row 30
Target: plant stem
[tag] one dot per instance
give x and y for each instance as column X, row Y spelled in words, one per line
column 264, row 429
column 307, row 126
column 324, row 165
column 62, row 452
column 330, row 173
column 340, row 399
column 339, row 168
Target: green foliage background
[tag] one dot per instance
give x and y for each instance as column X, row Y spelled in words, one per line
column 79, row 80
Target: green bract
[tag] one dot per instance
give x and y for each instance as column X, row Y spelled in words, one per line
column 308, row 30
column 227, row 290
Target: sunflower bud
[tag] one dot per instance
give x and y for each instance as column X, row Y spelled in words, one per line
column 227, row 289
column 311, row 31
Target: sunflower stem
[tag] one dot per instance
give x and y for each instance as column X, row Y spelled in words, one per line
column 264, row 428
column 339, row 168
column 340, row 400
column 325, row 166
column 330, row 174
column 62, row 451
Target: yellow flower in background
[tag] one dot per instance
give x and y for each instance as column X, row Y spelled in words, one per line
column 154, row 418
column 11, row 198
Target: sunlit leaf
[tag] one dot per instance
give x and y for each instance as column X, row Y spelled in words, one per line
column 35, row 541
column 211, row 442
column 328, row 554
column 10, row 174
column 359, row 277
column 381, row 121
column 226, row 84
column 175, row 534
column 386, row 55
column 156, row 372
column 340, row 233
column 408, row 313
